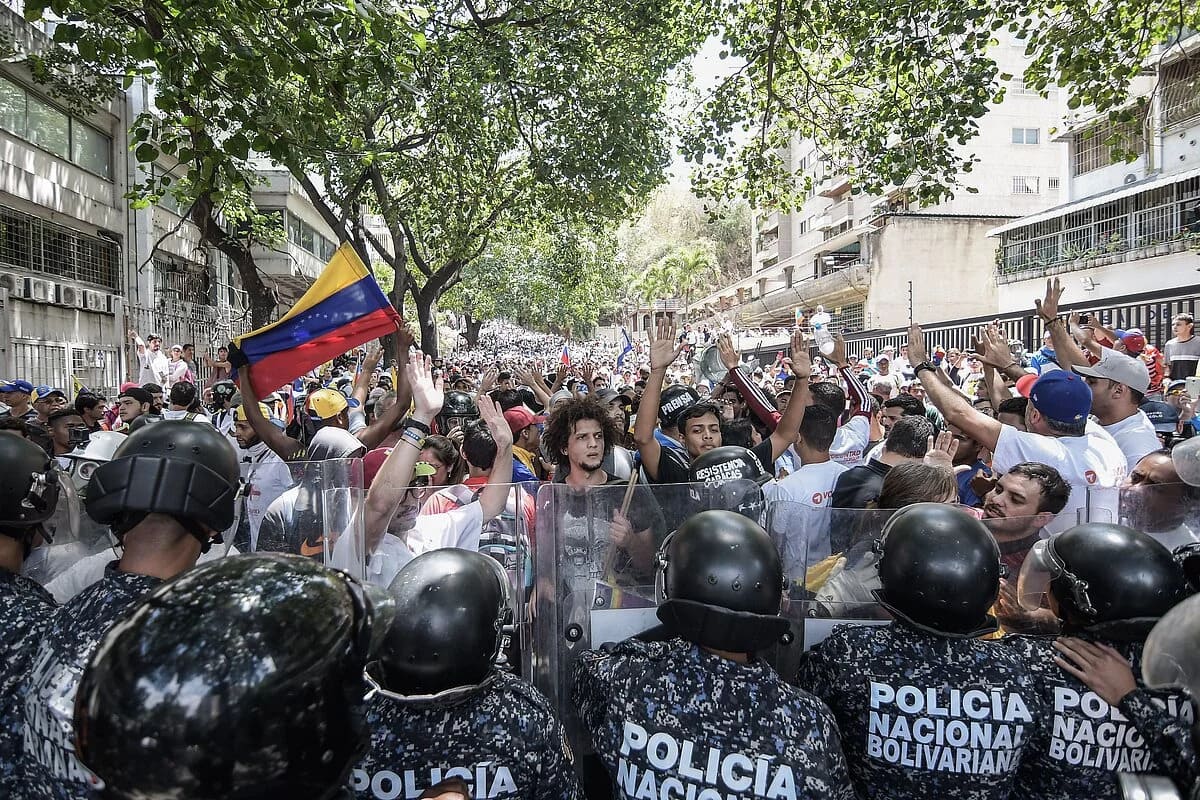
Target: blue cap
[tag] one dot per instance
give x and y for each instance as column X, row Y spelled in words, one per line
column 1164, row 416
column 1061, row 396
column 46, row 391
column 17, row 386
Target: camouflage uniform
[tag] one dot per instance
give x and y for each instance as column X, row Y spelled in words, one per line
column 1084, row 742
column 27, row 610
column 62, row 655
column 502, row 739
column 670, row 720
column 922, row 715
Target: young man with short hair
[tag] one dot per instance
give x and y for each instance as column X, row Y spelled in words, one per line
column 1182, row 353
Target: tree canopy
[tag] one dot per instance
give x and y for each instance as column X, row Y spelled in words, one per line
column 892, row 93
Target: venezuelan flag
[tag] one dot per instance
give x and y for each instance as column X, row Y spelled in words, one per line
column 344, row 308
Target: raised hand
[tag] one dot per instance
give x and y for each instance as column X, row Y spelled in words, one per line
column 801, row 361
column 488, row 381
column 916, row 345
column 992, row 347
column 373, row 357
column 940, row 452
column 1047, row 307
column 725, row 349
column 493, row 418
column 663, row 350
column 404, row 338
column 427, row 397
column 838, row 356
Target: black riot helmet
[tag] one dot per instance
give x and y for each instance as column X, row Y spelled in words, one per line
column 1108, row 579
column 184, row 469
column 223, row 392
column 241, row 678
column 728, row 478
column 457, row 408
column 722, row 580
column 451, row 609
column 939, row 570
column 29, row 487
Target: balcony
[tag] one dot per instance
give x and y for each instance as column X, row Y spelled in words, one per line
column 834, row 185
column 1159, row 217
column 845, row 285
column 837, row 214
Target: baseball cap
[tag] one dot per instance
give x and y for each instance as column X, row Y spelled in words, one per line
column 45, row 391
column 1119, row 368
column 675, row 399
column 137, row 393
column 1025, row 384
column 17, row 386
column 606, row 396
column 153, row 337
column 1134, row 342
column 1177, row 384
column 1164, row 416
column 326, row 403
column 883, row 357
column 1061, row 396
column 520, row 418
column 560, row 395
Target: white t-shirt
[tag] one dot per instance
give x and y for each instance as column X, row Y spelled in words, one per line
column 185, row 414
column 1135, row 436
column 850, row 441
column 156, row 367
column 460, row 527
column 800, row 514
column 1092, row 464
column 91, row 570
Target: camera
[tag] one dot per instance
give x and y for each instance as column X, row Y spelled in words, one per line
column 78, row 436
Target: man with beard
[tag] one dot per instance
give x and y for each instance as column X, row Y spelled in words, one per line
column 1157, row 502
column 266, row 477
column 1024, row 500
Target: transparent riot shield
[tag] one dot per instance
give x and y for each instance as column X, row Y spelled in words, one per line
column 320, row 516
column 1170, row 512
column 1015, row 537
column 593, row 578
column 72, row 549
column 264, row 478
column 831, row 558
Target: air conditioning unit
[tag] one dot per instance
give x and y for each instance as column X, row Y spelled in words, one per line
column 14, row 283
column 40, row 291
column 70, row 296
column 113, row 303
column 94, row 301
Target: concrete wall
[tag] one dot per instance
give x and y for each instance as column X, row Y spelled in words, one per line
column 950, row 261
column 1109, row 282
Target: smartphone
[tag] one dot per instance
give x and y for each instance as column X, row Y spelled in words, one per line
column 1084, row 319
column 1193, row 387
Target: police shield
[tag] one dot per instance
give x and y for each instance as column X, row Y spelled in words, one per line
column 594, row 578
column 1170, row 512
column 320, row 516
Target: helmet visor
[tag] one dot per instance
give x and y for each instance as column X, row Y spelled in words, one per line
column 1037, row 571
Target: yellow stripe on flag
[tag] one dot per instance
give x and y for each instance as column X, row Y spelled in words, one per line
column 343, row 270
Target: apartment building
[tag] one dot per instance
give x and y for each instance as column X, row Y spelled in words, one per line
column 1130, row 223
column 856, row 254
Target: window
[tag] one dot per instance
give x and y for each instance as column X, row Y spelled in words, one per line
column 1052, row 184
column 49, row 128
column 1105, row 143
column 304, row 236
column 43, row 125
column 1025, row 136
column 1181, row 92
column 1026, row 184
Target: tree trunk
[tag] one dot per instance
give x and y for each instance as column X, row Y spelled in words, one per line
column 473, row 328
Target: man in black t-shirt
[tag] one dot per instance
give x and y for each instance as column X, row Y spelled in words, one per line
column 700, row 425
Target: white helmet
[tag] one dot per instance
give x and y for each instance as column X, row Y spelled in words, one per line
column 98, row 450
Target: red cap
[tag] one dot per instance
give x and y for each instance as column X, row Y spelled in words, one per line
column 1134, row 343
column 372, row 461
column 1025, row 384
column 520, row 418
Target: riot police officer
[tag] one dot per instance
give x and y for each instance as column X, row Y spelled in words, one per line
column 457, row 408
column 242, row 678
column 925, row 708
column 223, row 406
column 701, row 712
column 1108, row 584
column 442, row 709
column 168, row 490
column 29, row 492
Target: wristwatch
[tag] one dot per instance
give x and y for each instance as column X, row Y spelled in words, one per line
column 924, row 365
column 409, row 422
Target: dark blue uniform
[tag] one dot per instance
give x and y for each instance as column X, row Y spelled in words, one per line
column 1084, row 742
column 924, row 716
column 67, row 645
column 670, row 720
column 26, row 610
column 502, row 740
